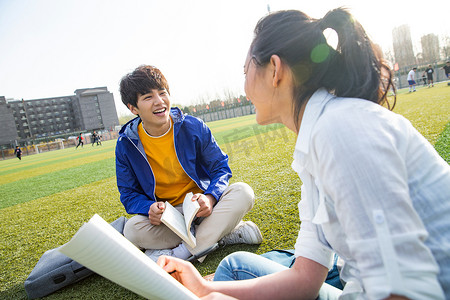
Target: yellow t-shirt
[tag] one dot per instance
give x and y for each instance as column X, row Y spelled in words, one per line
column 172, row 183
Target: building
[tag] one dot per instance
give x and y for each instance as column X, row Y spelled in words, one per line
column 403, row 47
column 95, row 109
column 7, row 123
column 89, row 109
column 430, row 48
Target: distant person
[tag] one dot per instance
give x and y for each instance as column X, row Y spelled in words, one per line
column 162, row 155
column 374, row 190
column 80, row 139
column 411, row 80
column 99, row 139
column 18, row 152
column 424, row 78
column 446, row 69
column 94, row 138
column 430, row 72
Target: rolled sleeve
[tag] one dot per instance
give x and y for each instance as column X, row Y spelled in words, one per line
column 308, row 246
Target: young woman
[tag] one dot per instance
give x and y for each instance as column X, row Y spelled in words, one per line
column 374, row 190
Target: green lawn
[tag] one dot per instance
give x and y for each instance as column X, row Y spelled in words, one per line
column 45, row 198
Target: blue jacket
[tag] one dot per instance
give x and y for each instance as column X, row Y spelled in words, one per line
column 196, row 149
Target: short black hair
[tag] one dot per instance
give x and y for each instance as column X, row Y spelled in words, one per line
column 141, row 81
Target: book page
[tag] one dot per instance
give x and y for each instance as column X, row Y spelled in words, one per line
column 190, row 209
column 175, row 220
column 101, row 248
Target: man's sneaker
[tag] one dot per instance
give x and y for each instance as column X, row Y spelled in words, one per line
column 245, row 233
column 155, row 253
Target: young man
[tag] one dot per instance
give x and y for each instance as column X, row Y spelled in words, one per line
column 430, row 72
column 446, row 69
column 80, row 141
column 411, row 80
column 18, row 152
column 94, row 138
column 162, row 155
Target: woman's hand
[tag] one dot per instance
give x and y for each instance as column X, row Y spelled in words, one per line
column 217, row 296
column 185, row 273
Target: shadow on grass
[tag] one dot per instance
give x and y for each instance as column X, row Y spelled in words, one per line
column 83, row 289
column 79, row 290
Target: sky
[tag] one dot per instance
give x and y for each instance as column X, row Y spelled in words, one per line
column 50, row 48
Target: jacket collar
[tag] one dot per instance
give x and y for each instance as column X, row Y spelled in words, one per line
column 130, row 129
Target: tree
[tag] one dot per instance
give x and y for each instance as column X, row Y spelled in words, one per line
column 124, row 118
column 446, row 47
column 229, row 95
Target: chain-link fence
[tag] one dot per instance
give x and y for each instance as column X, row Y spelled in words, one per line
column 400, row 76
column 30, row 147
column 225, row 112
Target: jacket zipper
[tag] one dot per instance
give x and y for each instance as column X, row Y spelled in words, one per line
column 176, row 154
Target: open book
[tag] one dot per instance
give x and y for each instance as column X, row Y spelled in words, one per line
column 179, row 223
column 101, row 248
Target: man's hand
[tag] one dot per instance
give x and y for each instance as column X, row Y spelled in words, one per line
column 206, row 203
column 155, row 212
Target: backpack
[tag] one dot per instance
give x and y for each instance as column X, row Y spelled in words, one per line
column 54, row 270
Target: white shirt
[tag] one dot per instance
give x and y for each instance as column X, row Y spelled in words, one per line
column 411, row 75
column 376, row 193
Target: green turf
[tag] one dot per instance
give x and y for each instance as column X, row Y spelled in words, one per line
column 442, row 145
column 231, row 132
column 428, row 109
column 79, row 183
column 79, row 156
column 51, row 183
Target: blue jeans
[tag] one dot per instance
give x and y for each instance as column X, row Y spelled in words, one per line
column 246, row 265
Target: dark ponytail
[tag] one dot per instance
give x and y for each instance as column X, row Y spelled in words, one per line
column 354, row 69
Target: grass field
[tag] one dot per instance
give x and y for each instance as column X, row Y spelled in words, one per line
column 45, row 198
